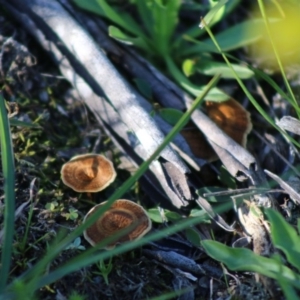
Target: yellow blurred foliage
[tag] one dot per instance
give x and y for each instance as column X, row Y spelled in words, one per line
column 285, row 33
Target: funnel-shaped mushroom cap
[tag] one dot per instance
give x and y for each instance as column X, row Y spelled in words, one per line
column 88, row 173
column 122, row 214
column 230, row 116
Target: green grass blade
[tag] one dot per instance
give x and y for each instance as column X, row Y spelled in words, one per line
column 8, row 169
column 124, row 20
column 91, row 6
column 144, row 11
column 214, row 15
column 172, row 295
column 119, row 35
column 210, row 68
column 15, row 122
column 289, row 291
column 274, row 85
column 165, row 17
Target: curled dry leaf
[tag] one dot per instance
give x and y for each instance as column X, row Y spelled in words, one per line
column 290, row 124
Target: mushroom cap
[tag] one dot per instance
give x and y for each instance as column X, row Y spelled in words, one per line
column 120, row 215
column 230, row 116
column 88, row 173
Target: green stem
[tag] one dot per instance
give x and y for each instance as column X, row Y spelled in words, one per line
column 8, row 169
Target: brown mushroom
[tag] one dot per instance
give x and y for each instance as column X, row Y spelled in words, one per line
column 230, row 116
column 120, row 215
column 88, row 173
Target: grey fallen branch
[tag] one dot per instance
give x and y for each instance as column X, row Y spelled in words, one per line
column 174, row 259
column 95, row 78
column 184, row 263
column 291, row 186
